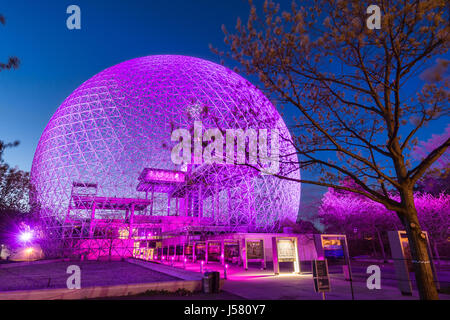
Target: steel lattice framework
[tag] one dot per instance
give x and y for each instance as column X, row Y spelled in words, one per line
column 119, row 122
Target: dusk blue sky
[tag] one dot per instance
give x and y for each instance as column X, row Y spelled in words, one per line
column 55, row 60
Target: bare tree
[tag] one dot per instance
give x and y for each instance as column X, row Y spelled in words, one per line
column 13, row 62
column 14, row 185
column 358, row 108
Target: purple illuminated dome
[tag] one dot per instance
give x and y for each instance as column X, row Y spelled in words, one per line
column 120, row 121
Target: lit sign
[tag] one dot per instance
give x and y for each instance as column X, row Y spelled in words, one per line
column 231, row 250
column 255, row 250
column 200, row 251
column 332, row 248
column 188, row 250
column 164, row 175
column 320, row 276
column 214, row 251
column 286, row 250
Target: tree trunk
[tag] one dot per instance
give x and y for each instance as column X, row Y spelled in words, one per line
column 419, row 251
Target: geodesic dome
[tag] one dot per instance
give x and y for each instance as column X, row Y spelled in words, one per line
column 120, row 121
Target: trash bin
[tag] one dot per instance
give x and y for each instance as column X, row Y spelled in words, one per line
column 216, row 282
column 207, row 282
column 211, row 282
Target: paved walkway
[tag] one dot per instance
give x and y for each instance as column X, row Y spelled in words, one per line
column 254, row 284
column 258, row 284
column 50, row 275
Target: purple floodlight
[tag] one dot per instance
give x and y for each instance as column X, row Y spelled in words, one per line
column 26, row 236
column 120, row 121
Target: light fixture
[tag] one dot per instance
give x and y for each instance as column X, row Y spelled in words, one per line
column 26, row 236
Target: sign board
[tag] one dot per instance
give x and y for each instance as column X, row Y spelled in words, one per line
column 152, row 244
column 188, row 250
column 136, row 249
column 321, row 276
column 159, row 253
column 214, row 250
column 149, row 254
column 332, row 248
column 406, row 251
column 200, row 251
column 286, row 250
column 160, row 175
column 255, row 250
column 231, row 251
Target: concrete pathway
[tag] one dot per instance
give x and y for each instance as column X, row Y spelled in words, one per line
column 258, row 284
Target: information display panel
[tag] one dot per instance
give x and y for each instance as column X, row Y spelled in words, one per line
column 254, row 252
column 231, row 251
column 159, row 253
column 200, row 251
column 214, row 251
column 255, row 249
column 320, row 276
column 406, row 251
column 149, row 254
column 286, row 250
column 332, row 248
column 189, row 251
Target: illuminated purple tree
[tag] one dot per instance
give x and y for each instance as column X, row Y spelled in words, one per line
column 355, row 215
column 434, row 215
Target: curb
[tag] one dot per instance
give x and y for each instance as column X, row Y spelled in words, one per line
column 171, row 271
column 101, row 292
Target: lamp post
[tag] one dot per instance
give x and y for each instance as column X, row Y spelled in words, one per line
column 26, row 237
